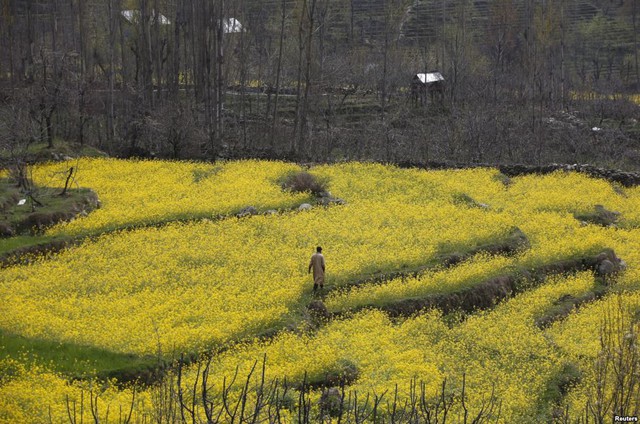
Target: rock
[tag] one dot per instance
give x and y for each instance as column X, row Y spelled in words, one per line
column 305, row 207
column 622, row 265
column 606, row 267
column 466, row 200
column 607, row 214
column 248, row 211
column 600, row 216
column 327, row 201
column 271, row 212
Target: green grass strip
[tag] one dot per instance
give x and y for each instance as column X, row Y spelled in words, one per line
column 73, row 360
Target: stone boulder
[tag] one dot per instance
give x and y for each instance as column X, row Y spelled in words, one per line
column 328, row 201
column 248, row 211
column 608, row 265
column 600, row 216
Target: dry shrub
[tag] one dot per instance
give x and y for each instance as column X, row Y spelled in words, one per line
column 6, row 230
column 304, row 182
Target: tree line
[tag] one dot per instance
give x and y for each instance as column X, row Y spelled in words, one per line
column 525, row 81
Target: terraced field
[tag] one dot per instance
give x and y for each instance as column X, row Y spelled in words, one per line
column 460, row 294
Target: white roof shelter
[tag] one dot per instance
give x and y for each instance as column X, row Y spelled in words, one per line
column 430, row 77
column 232, row 26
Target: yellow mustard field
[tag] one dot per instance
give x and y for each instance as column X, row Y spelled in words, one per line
column 211, row 280
column 135, row 193
column 501, row 348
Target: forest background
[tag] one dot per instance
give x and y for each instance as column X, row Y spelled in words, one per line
column 526, row 81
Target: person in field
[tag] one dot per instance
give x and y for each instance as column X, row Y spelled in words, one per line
column 317, row 265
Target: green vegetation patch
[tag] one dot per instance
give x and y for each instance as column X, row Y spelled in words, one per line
column 74, row 360
column 30, row 212
column 599, row 216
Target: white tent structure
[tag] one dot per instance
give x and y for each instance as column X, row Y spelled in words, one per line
column 430, row 77
column 232, row 26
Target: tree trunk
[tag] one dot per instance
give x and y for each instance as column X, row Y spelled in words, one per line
column 385, row 54
column 110, row 106
column 634, row 14
column 220, row 76
column 29, row 71
column 307, row 79
column 295, row 140
column 123, row 61
column 146, row 53
column 54, row 37
column 208, row 42
column 82, row 39
column 157, row 47
column 175, row 67
column 351, row 23
column 49, row 127
column 562, row 65
column 278, row 72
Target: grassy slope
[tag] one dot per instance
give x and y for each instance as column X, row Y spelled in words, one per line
column 51, row 199
column 9, row 194
column 18, row 217
column 14, row 243
column 73, row 360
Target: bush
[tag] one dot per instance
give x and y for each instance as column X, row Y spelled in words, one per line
column 304, row 182
column 6, row 230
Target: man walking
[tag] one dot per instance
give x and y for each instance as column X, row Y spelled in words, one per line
column 317, row 264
